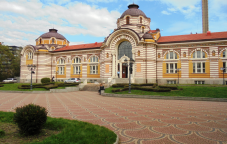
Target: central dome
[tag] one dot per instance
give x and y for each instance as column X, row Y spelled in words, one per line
column 133, row 11
column 53, row 33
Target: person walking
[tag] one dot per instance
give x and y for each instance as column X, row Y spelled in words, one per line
column 53, row 79
column 118, row 73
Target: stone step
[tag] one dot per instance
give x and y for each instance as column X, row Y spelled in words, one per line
column 121, row 80
column 92, row 87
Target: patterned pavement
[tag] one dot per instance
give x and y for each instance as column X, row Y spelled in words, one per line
column 136, row 121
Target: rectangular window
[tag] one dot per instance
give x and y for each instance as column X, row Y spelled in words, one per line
column 199, row 82
column 167, row 56
column 194, row 55
column 223, row 53
column 61, row 70
column 175, row 55
column 171, row 68
column 76, row 70
column 199, row 67
column 94, row 69
column 171, row 82
column 203, row 54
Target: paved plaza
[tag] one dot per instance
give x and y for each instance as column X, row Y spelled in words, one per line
column 136, row 121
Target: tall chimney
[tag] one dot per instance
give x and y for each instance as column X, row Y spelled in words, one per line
column 205, row 16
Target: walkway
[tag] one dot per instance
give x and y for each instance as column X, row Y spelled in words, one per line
column 136, row 121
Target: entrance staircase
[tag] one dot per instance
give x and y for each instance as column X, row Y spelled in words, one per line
column 93, row 87
column 121, row 80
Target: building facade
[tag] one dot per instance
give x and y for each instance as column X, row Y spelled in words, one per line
column 193, row 58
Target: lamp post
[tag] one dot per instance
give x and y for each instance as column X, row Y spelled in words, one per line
column 178, row 70
column 223, row 69
column 56, row 72
column 130, row 70
column 79, row 73
column 32, row 69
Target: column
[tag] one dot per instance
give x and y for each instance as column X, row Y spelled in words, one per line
column 113, row 65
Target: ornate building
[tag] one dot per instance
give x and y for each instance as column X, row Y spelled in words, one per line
column 157, row 58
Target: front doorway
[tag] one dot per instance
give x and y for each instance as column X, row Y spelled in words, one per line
column 124, row 70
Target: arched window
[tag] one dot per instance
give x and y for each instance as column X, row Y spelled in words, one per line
column 127, row 20
column 138, row 53
column 171, row 55
column 142, row 29
column 30, row 55
column 107, row 55
column 224, row 54
column 199, row 54
column 125, row 48
column 52, row 48
column 213, row 53
column 61, row 61
column 94, row 59
column 40, row 41
column 77, row 60
column 141, row 19
column 53, row 41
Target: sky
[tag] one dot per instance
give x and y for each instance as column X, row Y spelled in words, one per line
column 89, row 21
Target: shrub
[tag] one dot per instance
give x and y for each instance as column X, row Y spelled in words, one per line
column 30, row 118
column 1, row 85
column 2, row 133
column 67, row 84
column 6, row 82
column 45, row 80
column 116, row 90
column 169, row 87
column 51, row 86
column 162, row 90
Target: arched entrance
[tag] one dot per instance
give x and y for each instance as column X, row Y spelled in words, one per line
column 124, row 52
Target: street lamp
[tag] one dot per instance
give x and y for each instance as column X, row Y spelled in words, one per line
column 223, row 69
column 32, row 69
column 178, row 70
column 130, row 70
column 56, row 72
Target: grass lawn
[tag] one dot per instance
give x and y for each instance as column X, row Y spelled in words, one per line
column 56, row 131
column 14, row 87
column 188, row 91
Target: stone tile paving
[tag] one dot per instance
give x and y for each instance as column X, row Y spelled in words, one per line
column 136, row 121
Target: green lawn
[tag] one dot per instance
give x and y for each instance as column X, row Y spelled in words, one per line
column 188, row 91
column 13, row 87
column 69, row 132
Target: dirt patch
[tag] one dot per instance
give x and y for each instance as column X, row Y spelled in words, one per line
column 12, row 135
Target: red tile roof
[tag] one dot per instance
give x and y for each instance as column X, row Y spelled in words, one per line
column 96, row 45
column 152, row 31
column 193, row 37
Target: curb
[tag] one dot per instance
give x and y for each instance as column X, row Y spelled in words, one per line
column 164, row 97
column 117, row 139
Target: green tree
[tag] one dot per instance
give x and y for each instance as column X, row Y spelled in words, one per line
column 9, row 64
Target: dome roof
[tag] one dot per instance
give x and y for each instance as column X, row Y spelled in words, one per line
column 147, row 36
column 53, row 33
column 133, row 11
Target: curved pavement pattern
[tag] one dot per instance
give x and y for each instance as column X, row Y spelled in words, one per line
column 136, row 121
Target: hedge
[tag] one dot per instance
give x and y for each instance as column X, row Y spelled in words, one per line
column 143, row 84
column 51, row 87
column 45, row 80
column 169, row 87
column 6, row 82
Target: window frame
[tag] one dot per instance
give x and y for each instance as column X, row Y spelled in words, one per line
column 170, row 70
column 93, row 59
column 94, row 69
column 224, row 66
column 78, row 69
column 202, row 67
column 61, row 61
column 30, row 55
column 171, row 82
column 224, row 54
column 201, row 53
column 77, row 60
column 61, row 70
column 141, row 20
column 127, row 20
column 199, row 82
column 174, row 56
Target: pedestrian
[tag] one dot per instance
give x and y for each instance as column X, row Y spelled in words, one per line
column 118, row 73
column 101, row 88
column 53, row 79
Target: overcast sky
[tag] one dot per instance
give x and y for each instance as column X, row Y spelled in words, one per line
column 89, row 21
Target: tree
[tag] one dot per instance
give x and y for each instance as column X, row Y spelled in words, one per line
column 9, row 63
